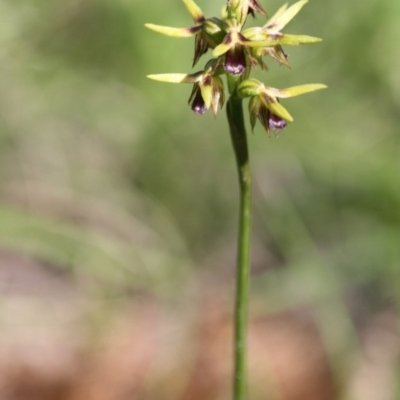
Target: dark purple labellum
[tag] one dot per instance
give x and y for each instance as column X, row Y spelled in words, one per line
column 235, row 60
column 276, row 123
column 198, row 105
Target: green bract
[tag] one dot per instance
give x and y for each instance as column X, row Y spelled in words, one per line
column 236, row 51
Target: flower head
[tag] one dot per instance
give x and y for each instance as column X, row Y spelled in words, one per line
column 268, row 39
column 234, row 48
column 207, row 93
column 208, row 89
column 207, row 32
column 270, row 121
column 264, row 103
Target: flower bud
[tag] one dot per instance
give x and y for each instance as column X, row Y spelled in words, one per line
column 249, row 88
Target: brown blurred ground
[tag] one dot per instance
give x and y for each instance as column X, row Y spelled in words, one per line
column 152, row 351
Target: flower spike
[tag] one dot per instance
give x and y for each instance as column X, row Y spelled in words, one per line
column 237, row 51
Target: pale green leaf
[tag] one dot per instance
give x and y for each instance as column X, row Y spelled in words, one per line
column 64, row 244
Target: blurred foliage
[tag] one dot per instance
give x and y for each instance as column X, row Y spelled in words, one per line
column 107, row 174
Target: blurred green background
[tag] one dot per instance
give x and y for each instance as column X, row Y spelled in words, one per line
column 113, row 194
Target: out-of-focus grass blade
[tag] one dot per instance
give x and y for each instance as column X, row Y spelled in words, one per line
column 104, row 257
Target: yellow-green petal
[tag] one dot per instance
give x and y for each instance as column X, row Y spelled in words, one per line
column 174, row 32
column 222, row 49
column 206, row 94
column 278, row 109
column 296, row 90
column 194, row 10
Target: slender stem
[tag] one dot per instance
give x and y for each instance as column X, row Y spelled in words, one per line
column 239, row 141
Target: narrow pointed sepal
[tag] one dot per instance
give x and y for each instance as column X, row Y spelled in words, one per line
column 194, row 10
column 176, row 78
column 281, row 39
column 200, row 48
column 276, row 16
column 295, row 40
column 218, row 97
column 239, row 9
column 278, row 54
column 174, row 32
column 254, row 5
column 298, row 90
column 254, row 109
column 285, row 17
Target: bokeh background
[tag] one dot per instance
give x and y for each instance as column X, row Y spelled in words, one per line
column 118, row 210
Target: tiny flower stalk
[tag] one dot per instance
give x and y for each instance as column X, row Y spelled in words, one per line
column 236, row 51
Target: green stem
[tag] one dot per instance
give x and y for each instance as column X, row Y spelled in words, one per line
column 239, row 141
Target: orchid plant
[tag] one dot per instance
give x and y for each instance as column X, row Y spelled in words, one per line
column 237, row 50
